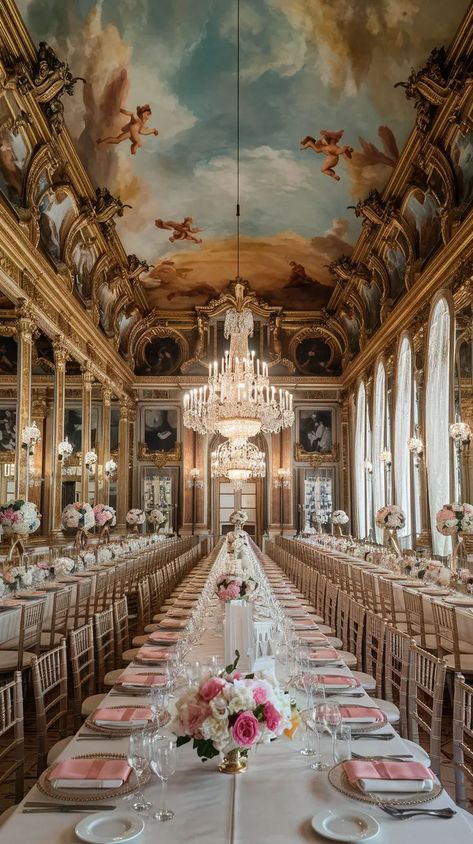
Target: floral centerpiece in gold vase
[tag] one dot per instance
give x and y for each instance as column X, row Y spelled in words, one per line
column 156, row 518
column 339, row 518
column 78, row 517
column 105, row 518
column 17, row 520
column 229, row 713
column 456, row 520
column 134, row 519
column 390, row 519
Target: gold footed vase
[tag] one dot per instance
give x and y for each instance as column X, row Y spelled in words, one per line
column 104, row 535
column 233, row 763
column 391, row 541
column 81, row 540
column 17, row 549
column 338, row 530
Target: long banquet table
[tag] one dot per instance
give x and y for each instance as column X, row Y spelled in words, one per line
column 273, row 801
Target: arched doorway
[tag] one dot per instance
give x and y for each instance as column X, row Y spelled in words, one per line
column 252, row 497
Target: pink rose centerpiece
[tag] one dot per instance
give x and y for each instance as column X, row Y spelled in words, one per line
column 229, row 713
column 134, row 518
column 105, row 515
column 390, row 516
column 455, row 518
column 229, row 587
column 19, row 517
column 78, row 516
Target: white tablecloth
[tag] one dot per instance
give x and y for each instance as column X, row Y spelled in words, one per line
column 272, row 803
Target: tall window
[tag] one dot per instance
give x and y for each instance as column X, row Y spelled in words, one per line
column 437, row 419
column 379, row 429
column 360, row 445
column 402, row 432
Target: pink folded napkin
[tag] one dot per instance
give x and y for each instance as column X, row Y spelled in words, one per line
column 157, row 636
column 302, row 623
column 389, row 776
column 173, row 622
column 89, row 773
column 155, row 654
column 123, row 716
column 299, row 613
column 324, row 654
column 361, row 714
column 128, row 678
column 314, row 638
column 187, row 605
column 31, row 593
column 338, row 680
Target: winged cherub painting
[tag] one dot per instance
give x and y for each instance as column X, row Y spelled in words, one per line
column 329, row 145
column 180, row 231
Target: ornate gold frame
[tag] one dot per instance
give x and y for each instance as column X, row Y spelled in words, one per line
column 160, row 458
column 316, row 459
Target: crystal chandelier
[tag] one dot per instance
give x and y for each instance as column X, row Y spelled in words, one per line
column 238, row 460
column 238, row 401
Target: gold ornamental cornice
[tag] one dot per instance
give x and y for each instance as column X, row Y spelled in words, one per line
column 159, row 458
column 316, row 459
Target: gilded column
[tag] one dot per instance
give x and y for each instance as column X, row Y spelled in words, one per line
column 123, row 462
column 87, row 383
column 104, row 451
column 25, row 329
column 60, row 359
column 424, row 534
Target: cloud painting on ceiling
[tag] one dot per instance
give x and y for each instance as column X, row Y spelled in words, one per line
column 321, row 125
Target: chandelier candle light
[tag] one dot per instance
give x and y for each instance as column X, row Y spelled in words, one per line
column 238, row 460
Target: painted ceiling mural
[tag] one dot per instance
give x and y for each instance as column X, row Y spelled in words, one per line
column 321, row 125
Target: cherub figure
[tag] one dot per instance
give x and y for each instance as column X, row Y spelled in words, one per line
column 132, row 130
column 328, row 145
column 180, row 231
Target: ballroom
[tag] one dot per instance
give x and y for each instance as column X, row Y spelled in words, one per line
column 236, row 417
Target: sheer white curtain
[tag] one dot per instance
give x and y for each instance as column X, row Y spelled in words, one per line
column 402, row 432
column 437, row 419
column 360, row 445
column 378, row 439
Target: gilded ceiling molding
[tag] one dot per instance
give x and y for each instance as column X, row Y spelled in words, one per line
column 324, row 333
column 238, row 295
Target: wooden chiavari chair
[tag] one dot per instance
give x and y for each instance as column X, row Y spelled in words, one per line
column 370, row 595
column 356, row 629
column 396, row 674
column 122, row 633
column 51, row 637
column 104, row 635
column 388, row 605
column 82, row 608
column 12, row 737
column 426, row 688
column 356, row 584
column 21, row 653
column 82, row 659
column 49, row 674
column 457, row 654
column 101, row 591
column 462, row 738
column 415, row 621
column 342, row 625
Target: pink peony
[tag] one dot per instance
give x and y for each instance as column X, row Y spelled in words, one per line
column 272, row 716
column 233, row 591
column 260, row 695
column 191, row 715
column 211, row 688
column 245, row 730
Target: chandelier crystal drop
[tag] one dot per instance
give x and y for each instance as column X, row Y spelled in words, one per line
column 238, row 460
column 238, row 400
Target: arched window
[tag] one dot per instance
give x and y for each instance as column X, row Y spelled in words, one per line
column 379, row 430
column 359, row 461
column 402, row 432
column 437, row 444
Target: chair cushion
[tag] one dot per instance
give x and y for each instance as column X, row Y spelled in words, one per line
column 90, row 704
column 9, row 660
column 466, row 663
column 160, row 615
column 390, row 709
column 366, row 680
column 151, row 628
column 57, row 749
column 348, row 658
column 129, row 655
column 137, row 641
column 324, row 628
column 111, row 677
column 335, row 642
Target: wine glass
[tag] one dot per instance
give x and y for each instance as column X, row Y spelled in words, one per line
column 163, row 761
column 138, row 753
column 332, row 718
column 159, row 703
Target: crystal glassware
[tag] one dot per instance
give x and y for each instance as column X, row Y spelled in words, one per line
column 138, row 754
column 163, row 762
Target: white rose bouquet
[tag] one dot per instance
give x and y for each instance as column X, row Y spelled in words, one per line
column 455, row 518
column 339, row 517
column 135, row 517
column 19, row 517
column 76, row 516
column 390, row 516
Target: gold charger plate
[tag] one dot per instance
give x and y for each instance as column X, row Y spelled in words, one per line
column 338, row 778
column 122, row 732
column 81, row 795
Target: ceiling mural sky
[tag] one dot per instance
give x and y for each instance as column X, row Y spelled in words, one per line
column 321, row 124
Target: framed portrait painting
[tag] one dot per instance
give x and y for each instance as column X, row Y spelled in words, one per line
column 160, row 433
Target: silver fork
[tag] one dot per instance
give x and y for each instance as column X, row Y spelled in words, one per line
column 405, row 814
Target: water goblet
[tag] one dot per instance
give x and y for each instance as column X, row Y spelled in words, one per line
column 342, row 743
column 159, row 703
column 163, row 761
column 332, row 718
column 138, row 754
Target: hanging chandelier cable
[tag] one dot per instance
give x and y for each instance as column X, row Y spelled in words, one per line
column 238, row 143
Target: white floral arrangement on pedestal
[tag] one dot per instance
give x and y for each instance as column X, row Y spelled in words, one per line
column 63, row 565
column 238, row 517
column 78, row 516
column 390, row 516
column 156, row 518
column 19, row 517
column 455, row 518
column 339, row 517
column 104, row 554
column 135, row 517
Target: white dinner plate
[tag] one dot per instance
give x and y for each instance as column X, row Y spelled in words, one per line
column 345, row 825
column 105, row 827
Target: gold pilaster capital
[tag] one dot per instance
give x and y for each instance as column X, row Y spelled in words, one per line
column 107, row 394
column 61, row 354
column 26, row 324
column 39, row 408
column 88, row 377
column 126, row 408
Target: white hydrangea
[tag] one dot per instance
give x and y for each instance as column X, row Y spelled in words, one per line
column 217, row 731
